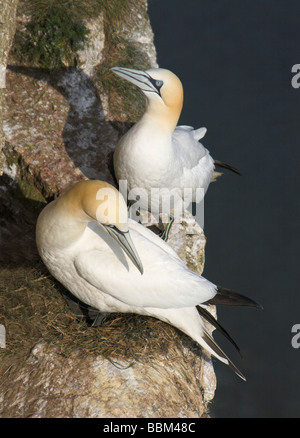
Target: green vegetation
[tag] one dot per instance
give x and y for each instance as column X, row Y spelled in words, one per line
column 126, row 102
column 54, row 31
column 50, row 34
column 54, row 40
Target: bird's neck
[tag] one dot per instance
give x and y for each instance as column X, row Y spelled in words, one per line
column 60, row 226
column 159, row 116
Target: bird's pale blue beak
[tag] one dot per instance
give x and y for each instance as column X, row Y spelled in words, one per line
column 140, row 78
column 125, row 242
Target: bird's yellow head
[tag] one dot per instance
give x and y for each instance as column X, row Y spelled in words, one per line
column 169, row 87
column 103, row 204
column 162, row 87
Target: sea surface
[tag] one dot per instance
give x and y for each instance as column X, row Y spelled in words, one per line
column 235, row 60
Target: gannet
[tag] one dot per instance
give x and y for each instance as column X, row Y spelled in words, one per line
column 115, row 264
column 155, row 152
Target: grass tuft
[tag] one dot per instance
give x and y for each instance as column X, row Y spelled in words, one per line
column 33, row 310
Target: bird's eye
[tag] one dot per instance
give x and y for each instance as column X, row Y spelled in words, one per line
column 159, row 84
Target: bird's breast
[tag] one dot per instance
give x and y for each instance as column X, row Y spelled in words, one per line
column 144, row 158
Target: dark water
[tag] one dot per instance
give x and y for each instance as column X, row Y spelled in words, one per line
column 235, row 59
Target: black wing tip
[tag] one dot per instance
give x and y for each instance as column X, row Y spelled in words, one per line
column 212, row 320
column 236, row 370
column 228, row 297
column 227, row 166
column 214, row 346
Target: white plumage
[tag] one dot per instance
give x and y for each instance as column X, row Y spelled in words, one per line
column 155, row 153
column 120, row 266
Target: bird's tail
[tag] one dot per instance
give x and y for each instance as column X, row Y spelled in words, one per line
column 209, row 344
column 210, row 318
column 227, row 166
column 227, row 297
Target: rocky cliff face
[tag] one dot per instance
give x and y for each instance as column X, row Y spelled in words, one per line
column 61, row 126
column 50, row 385
column 7, row 31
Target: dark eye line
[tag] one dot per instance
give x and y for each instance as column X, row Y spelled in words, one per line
column 155, row 82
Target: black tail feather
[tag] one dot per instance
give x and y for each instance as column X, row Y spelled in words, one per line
column 227, row 297
column 208, row 316
column 212, row 344
column 227, row 166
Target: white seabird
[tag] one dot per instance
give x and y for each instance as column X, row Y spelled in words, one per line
column 114, row 264
column 155, row 152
